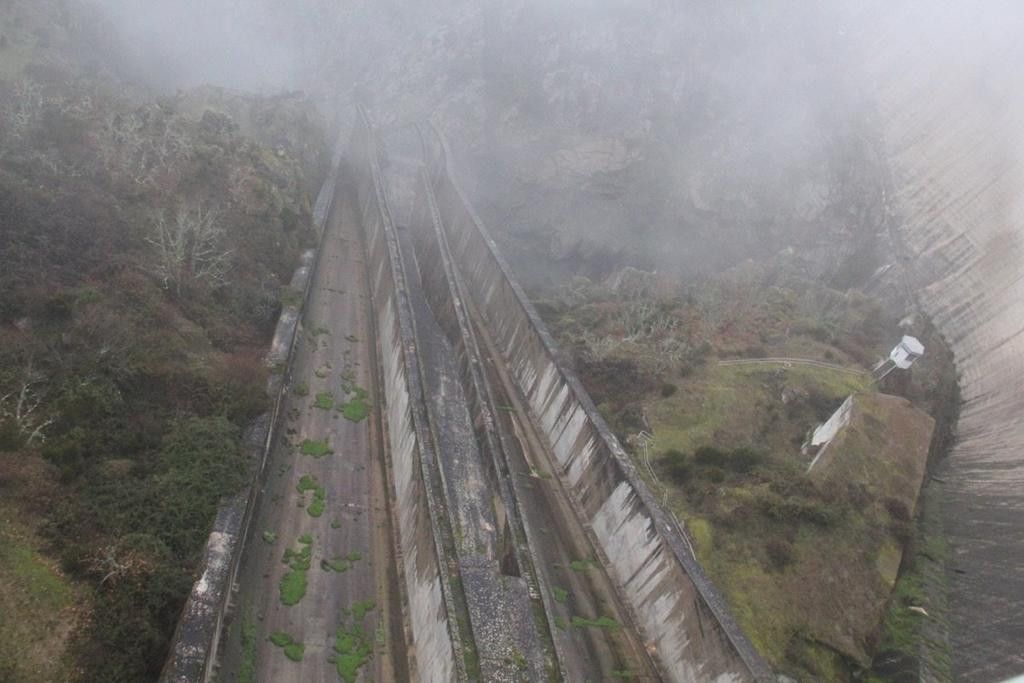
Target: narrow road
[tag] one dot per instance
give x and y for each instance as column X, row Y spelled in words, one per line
column 327, row 456
column 794, row 361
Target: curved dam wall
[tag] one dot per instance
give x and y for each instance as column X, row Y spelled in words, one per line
column 682, row 617
column 946, row 80
column 407, row 443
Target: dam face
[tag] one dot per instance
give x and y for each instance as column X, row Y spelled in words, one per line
column 952, row 118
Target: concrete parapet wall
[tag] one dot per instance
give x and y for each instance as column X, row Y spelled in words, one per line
column 194, row 649
column 434, row 642
column 681, row 616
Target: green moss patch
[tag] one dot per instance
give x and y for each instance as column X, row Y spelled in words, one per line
column 309, row 483
column 582, row 565
column 316, row 449
column 600, row 622
column 294, row 582
column 357, row 407
column 293, row 649
column 324, row 400
column 247, row 670
column 342, row 563
column 338, row 564
column 352, row 647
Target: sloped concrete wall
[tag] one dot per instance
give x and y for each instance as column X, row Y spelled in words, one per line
column 680, row 614
column 946, row 78
column 434, row 642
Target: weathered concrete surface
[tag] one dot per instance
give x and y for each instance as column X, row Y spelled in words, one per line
column 200, row 622
column 546, row 542
column 683, row 619
column 435, row 641
column 334, row 345
column 498, row 601
column 946, row 78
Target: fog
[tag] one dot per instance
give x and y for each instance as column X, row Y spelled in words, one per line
column 190, row 42
column 680, row 136
column 753, row 94
column 689, row 138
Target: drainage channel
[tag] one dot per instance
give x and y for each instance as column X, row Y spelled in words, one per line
column 575, row 605
column 506, row 645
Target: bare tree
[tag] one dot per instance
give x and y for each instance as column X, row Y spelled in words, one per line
column 642, row 320
column 146, row 144
column 190, row 248
column 26, row 107
column 22, row 407
column 598, row 348
column 115, row 562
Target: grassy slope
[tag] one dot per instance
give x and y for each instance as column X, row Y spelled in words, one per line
column 832, row 583
column 733, row 406
column 34, row 600
column 37, row 600
column 807, row 564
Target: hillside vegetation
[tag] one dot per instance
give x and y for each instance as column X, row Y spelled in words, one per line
column 144, row 243
column 807, row 562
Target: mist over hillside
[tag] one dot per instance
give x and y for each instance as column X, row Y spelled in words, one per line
column 679, row 137
column 868, row 147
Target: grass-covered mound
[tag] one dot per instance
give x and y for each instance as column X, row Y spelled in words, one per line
column 806, row 562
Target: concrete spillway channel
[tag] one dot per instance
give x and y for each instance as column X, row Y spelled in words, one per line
column 519, row 584
column 478, row 521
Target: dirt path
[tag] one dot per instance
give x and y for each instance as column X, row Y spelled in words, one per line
column 334, row 455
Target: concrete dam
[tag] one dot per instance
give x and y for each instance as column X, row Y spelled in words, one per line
column 479, row 521
column 951, row 134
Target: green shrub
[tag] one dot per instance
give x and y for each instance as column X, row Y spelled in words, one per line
column 676, row 465
column 11, row 438
column 201, row 461
column 707, row 456
column 668, row 389
column 137, row 611
column 779, row 552
column 797, row 509
column 743, row 460
column 716, row 475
